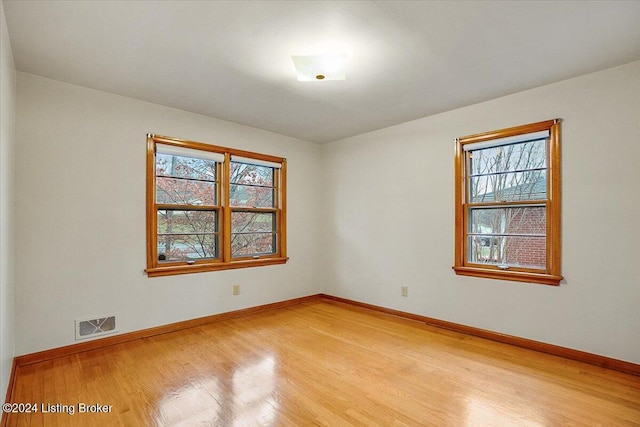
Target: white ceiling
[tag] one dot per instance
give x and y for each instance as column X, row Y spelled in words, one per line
column 406, row 60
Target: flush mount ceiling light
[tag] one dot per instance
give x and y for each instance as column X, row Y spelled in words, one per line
column 320, row 67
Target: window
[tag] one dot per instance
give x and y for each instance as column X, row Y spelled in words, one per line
column 212, row 208
column 508, row 204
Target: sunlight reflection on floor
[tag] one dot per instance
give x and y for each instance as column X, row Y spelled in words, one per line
column 191, row 405
column 253, row 401
column 481, row 412
column 249, row 400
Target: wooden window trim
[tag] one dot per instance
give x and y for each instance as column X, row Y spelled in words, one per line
column 552, row 274
column 225, row 260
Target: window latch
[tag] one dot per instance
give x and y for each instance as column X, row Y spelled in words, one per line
column 503, row 266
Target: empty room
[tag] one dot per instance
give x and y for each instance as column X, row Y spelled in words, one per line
column 332, row 213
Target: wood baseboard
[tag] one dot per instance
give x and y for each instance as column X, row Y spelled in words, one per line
column 567, row 353
column 581, row 356
column 54, row 353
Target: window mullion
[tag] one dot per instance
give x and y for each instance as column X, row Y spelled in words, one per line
column 226, row 208
column 509, row 204
column 181, row 207
column 252, row 209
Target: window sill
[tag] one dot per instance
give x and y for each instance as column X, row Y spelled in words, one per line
column 516, row 276
column 171, row 270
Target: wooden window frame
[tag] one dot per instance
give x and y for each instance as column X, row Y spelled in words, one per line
column 224, row 261
column 551, row 275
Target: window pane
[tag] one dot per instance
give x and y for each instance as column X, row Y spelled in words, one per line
column 242, row 173
column 520, row 220
column 509, row 236
column 508, row 187
column 249, row 222
column 246, row 195
column 187, row 235
column 513, row 251
column 253, row 233
column 184, row 247
column 505, row 158
column 185, row 192
column 184, row 222
column 185, row 167
column 253, row 244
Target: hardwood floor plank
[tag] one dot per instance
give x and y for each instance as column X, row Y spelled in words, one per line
column 322, row 363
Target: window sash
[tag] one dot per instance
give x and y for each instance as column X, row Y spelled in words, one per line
column 499, row 201
column 265, row 194
column 273, row 231
column 185, row 229
column 488, row 241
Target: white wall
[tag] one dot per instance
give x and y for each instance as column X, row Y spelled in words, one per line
column 80, row 204
column 382, row 202
column 7, row 142
column 390, row 198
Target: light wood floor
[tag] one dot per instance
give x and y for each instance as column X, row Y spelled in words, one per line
column 324, row 363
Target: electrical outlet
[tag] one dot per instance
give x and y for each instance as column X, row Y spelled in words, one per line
column 236, row 289
column 404, row 291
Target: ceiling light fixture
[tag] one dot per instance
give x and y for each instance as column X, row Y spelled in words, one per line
column 320, row 67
